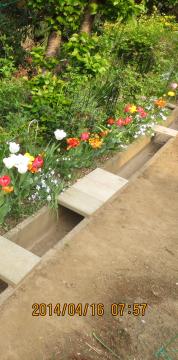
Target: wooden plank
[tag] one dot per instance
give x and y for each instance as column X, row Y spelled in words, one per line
column 171, row 106
column 15, row 261
column 164, row 130
column 91, row 192
column 101, row 176
column 79, row 202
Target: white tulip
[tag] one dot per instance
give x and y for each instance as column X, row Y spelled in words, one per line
column 22, row 168
column 13, row 147
column 60, row 134
column 22, row 160
column 10, row 161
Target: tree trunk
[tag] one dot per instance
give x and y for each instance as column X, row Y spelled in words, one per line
column 54, row 43
column 88, row 19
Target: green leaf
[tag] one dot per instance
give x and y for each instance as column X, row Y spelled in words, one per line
column 4, row 210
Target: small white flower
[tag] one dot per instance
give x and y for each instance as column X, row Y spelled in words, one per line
column 13, row 147
column 37, row 187
column 48, row 198
column 48, row 190
column 43, row 184
column 163, row 116
column 52, row 172
column 149, row 107
column 60, row 134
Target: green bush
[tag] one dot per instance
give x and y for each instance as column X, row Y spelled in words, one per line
column 13, row 94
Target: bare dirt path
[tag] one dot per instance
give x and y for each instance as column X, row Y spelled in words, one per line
column 127, row 253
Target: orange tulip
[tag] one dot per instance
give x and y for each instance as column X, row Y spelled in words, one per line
column 8, row 189
column 160, row 102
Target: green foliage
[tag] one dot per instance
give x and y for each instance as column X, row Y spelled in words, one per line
column 139, row 52
column 121, row 9
column 163, row 6
column 7, row 63
column 13, row 29
column 137, row 42
column 13, row 94
column 39, row 60
column 64, row 15
column 83, row 53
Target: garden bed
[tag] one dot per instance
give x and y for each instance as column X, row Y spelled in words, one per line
column 43, row 230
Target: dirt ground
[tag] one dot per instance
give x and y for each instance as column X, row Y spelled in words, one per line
column 127, row 253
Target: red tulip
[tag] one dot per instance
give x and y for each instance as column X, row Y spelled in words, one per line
column 119, row 122
column 143, row 114
column 110, row 121
column 127, row 108
column 38, row 162
column 85, row 136
column 5, row 180
column 140, row 109
column 72, row 142
column 127, row 120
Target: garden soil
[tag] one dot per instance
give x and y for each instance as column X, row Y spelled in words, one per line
column 127, row 253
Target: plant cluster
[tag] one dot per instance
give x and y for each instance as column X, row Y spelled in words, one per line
column 32, row 176
column 113, row 85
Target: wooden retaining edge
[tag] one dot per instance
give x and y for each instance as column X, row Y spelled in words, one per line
column 30, row 228
column 171, row 106
column 15, row 262
column 163, row 130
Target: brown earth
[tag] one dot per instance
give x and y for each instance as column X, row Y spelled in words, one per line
column 126, row 253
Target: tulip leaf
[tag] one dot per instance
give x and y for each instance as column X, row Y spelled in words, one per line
column 4, row 209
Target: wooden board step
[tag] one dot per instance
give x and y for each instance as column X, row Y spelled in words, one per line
column 91, row 192
column 15, row 261
column 165, row 130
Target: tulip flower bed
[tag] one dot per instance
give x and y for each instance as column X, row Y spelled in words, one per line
column 30, row 178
